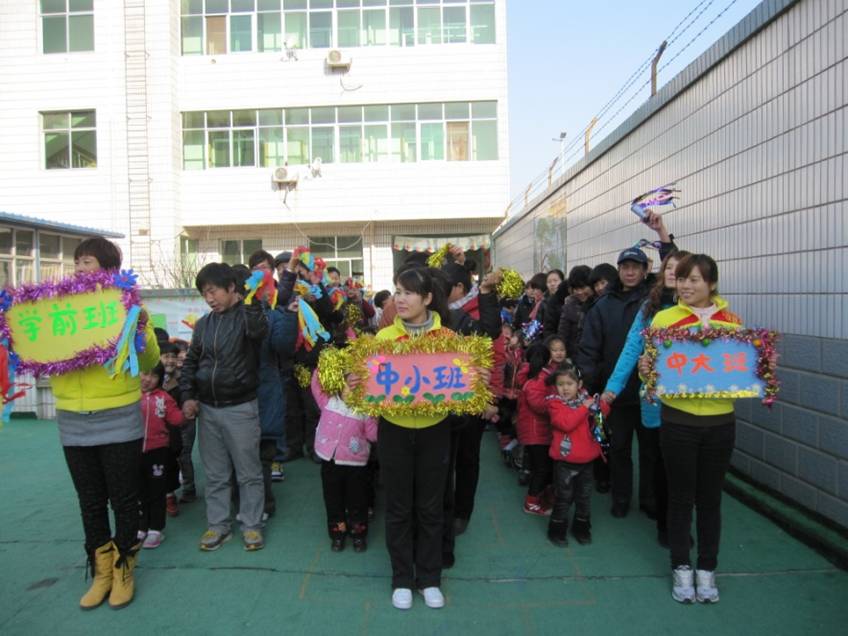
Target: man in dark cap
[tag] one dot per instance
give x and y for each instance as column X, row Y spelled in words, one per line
column 605, row 330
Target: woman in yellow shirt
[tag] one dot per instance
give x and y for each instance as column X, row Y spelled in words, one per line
column 697, row 437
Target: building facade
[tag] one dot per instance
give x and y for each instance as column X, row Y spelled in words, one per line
column 204, row 129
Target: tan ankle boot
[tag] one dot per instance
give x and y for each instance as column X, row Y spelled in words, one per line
column 123, row 585
column 101, row 562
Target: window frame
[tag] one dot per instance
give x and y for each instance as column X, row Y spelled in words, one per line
column 43, row 130
column 36, row 260
column 67, row 13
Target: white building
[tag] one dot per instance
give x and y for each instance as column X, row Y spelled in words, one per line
column 165, row 120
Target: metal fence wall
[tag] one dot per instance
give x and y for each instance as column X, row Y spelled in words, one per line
column 754, row 134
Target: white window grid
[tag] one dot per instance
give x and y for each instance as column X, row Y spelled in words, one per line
column 334, row 9
column 69, row 11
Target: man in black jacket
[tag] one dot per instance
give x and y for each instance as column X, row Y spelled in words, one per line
column 218, row 383
column 605, row 330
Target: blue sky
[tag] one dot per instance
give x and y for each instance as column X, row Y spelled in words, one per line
column 568, row 58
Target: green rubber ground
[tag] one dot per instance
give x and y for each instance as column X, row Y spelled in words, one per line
column 507, row 580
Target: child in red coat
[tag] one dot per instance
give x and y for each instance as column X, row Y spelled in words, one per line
column 573, row 415
column 158, row 411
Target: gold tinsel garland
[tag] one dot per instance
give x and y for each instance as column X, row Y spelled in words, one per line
column 438, row 258
column 334, row 365
column 511, row 286
column 302, row 376
column 353, row 314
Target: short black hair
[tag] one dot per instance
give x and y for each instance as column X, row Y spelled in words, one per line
column 167, row 347
column 105, row 251
column 539, row 281
column 241, row 273
column 579, row 277
column 458, row 275
column 159, row 371
column 333, row 270
column 564, row 369
column 161, row 334
column 381, row 296
column 604, row 271
column 259, row 256
column 215, row 274
column 558, row 272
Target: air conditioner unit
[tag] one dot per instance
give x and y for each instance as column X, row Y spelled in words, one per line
column 336, row 60
column 285, row 176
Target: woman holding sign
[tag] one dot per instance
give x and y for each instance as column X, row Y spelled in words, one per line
column 414, row 456
column 101, row 430
column 697, row 438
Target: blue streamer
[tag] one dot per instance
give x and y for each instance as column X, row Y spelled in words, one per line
column 125, row 340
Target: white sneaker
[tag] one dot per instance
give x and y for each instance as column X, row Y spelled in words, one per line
column 402, row 598
column 683, row 584
column 433, row 597
column 707, row 590
column 141, row 536
column 154, row 538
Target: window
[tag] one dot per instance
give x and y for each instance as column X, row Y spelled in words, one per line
column 70, row 139
column 342, row 252
column 235, row 252
column 67, row 26
column 19, row 263
column 216, row 27
column 405, row 133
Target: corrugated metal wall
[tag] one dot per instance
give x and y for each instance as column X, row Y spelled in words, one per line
column 754, row 134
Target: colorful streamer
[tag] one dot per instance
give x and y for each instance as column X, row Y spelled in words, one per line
column 261, row 285
column 310, row 330
column 126, row 355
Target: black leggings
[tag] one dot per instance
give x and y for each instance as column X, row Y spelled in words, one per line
column 152, row 488
column 541, row 468
column 101, row 474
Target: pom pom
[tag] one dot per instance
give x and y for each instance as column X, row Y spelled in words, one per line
column 438, row 258
column 302, row 376
column 333, row 366
column 511, row 286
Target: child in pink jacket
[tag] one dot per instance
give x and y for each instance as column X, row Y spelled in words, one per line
column 158, row 411
column 342, row 442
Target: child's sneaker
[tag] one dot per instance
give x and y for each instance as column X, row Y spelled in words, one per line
column 212, row 540
column 683, row 584
column 707, row 590
column 253, row 540
column 142, row 535
column 171, row 506
column 153, row 539
column 188, row 496
column 534, row 506
column 557, row 533
column 277, row 472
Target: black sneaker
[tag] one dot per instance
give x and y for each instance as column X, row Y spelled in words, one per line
column 337, row 543
column 359, row 543
column 602, row 486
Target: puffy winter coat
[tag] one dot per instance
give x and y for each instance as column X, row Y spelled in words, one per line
column 221, row 367
column 278, row 344
column 533, row 427
column 158, row 410
column 342, row 434
column 574, row 422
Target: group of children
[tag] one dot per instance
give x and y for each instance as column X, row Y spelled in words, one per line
column 249, row 379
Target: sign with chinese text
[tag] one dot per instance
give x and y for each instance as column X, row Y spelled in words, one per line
column 712, row 363
column 90, row 318
column 59, row 328
column 434, row 374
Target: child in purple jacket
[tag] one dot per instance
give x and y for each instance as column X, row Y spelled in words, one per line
column 342, row 442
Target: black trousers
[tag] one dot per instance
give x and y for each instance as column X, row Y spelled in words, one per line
column 506, row 415
column 467, row 469
column 623, row 421
column 153, row 487
column 101, row 474
column 696, row 460
column 573, row 487
column 661, row 489
column 414, row 467
column 301, row 417
column 457, row 424
column 267, row 452
column 541, row 468
column 345, row 497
